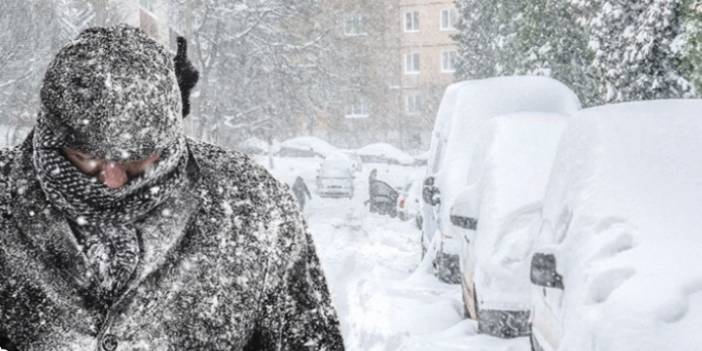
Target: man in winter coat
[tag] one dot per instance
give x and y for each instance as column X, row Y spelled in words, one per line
column 301, row 192
column 119, row 233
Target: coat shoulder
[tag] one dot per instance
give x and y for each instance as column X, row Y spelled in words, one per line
column 237, row 177
column 246, row 190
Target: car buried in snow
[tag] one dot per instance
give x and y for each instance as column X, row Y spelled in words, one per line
column 617, row 263
column 335, row 177
column 464, row 107
column 497, row 214
column 305, row 147
column 384, row 153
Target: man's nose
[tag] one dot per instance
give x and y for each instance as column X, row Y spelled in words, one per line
column 113, row 175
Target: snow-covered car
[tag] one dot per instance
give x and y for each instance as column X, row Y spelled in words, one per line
column 335, row 177
column 384, row 153
column 421, row 159
column 356, row 161
column 408, row 202
column 306, row 147
column 498, row 213
column 617, row 263
column 463, row 109
column 253, row 146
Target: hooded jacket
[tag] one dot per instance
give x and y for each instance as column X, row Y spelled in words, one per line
column 221, row 259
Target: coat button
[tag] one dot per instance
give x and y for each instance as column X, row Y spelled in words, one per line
column 109, row 342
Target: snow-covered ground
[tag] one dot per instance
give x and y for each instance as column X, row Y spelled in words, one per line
column 386, row 299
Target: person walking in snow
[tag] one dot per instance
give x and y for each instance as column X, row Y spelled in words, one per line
column 372, row 178
column 119, row 233
column 301, row 192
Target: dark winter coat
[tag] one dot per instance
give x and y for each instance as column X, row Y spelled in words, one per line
column 301, row 191
column 239, row 273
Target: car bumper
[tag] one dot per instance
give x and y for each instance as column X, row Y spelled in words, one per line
column 336, row 193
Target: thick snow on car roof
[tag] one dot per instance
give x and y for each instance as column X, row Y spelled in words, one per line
column 307, row 143
column 624, row 208
column 253, row 144
column 337, row 158
column 480, row 100
column 516, row 154
column 387, row 151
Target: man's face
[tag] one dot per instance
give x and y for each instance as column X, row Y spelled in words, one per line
column 113, row 174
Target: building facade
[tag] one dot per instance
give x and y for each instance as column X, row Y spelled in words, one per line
column 428, row 56
column 398, row 57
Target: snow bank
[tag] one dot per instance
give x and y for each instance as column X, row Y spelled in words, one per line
column 516, row 156
column 623, row 213
column 379, row 152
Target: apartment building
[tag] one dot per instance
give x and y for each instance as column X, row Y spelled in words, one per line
column 428, row 56
column 402, row 58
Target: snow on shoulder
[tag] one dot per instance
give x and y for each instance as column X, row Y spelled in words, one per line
column 622, row 213
column 384, row 153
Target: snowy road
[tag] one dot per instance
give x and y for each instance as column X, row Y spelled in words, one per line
column 384, row 300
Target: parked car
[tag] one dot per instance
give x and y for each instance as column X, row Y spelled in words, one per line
column 408, row 202
column 617, row 264
column 384, row 153
column 253, row 146
column 463, row 109
column 497, row 213
column 335, row 177
column 356, row 161
column 306, row 147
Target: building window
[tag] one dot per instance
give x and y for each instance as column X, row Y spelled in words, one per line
column 412, row 63
column 413, row 104
column 355, row 25
column 357, row 108
column 448, row 19
column 448, row 61
column 412, row 21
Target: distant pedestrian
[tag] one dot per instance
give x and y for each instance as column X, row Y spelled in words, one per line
column 372, row 177
column 301, row 192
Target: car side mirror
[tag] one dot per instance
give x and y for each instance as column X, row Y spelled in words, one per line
column 543, row 271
